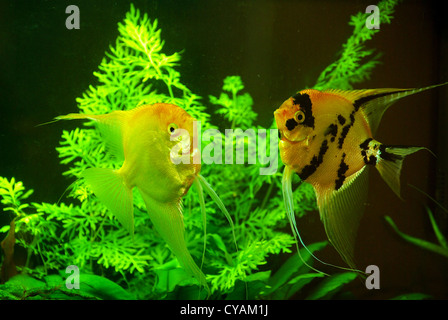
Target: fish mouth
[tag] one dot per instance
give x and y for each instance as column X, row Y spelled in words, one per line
column 294, row 140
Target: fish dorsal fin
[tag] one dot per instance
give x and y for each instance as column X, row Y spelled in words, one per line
column 341, row 211
column 374, row 102
column 168, row 220
column 110, row 126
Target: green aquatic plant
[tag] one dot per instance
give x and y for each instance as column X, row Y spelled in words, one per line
column 134, row 72
column 355, row 63
column 238, row 107
column 441, row 248
column 80, row 231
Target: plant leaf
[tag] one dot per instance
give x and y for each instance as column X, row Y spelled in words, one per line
column 331, row 285
column 416, row 241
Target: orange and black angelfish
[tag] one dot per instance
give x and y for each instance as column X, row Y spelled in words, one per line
column 326, row 137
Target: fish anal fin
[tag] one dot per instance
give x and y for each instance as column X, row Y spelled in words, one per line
column 167, row 219
column 390, row 162
column 111, row 189
column 341, row 211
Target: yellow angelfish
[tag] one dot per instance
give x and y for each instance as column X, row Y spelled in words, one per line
column 327, row 138
column 145, row 137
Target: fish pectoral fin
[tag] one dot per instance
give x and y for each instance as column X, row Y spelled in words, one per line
column 390, row 162
column 341, row 211
column 167, row 219
column 289, row 207
column 198, row 187
column 110, row 188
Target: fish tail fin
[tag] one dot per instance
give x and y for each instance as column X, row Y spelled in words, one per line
column 390, row 161
column 167, row 219
column 112, row 190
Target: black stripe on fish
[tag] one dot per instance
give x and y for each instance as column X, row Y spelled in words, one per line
column 305, row 104
column 343, row 167
column 358, row 103
column 309, row 169
column 346, row 129
column 291, row 124
column 388, row 155
column 364, row 147
column 332, row 130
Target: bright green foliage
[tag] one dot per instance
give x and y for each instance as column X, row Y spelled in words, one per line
column 12, row 194
column 236, row 108
column 135, row 71
column 84, row 233
column 354, row 64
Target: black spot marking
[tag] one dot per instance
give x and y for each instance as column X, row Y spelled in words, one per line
column 343, row 167
column 332, row 130
column 365, row 144
column 341, row 119
column 291, row 124
column 309, row 169
column 364, row 148
column 305, row 105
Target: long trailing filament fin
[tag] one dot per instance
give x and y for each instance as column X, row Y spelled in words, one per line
column 220, row 204
column 289, row 205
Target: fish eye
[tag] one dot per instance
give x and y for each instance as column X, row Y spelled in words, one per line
column 299, row 116
column 172, row 127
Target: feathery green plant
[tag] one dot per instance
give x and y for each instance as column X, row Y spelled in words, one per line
column 83, row 233
column 354, row 64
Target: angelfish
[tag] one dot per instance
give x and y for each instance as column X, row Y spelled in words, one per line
column 327, row 138
column 150, row 141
